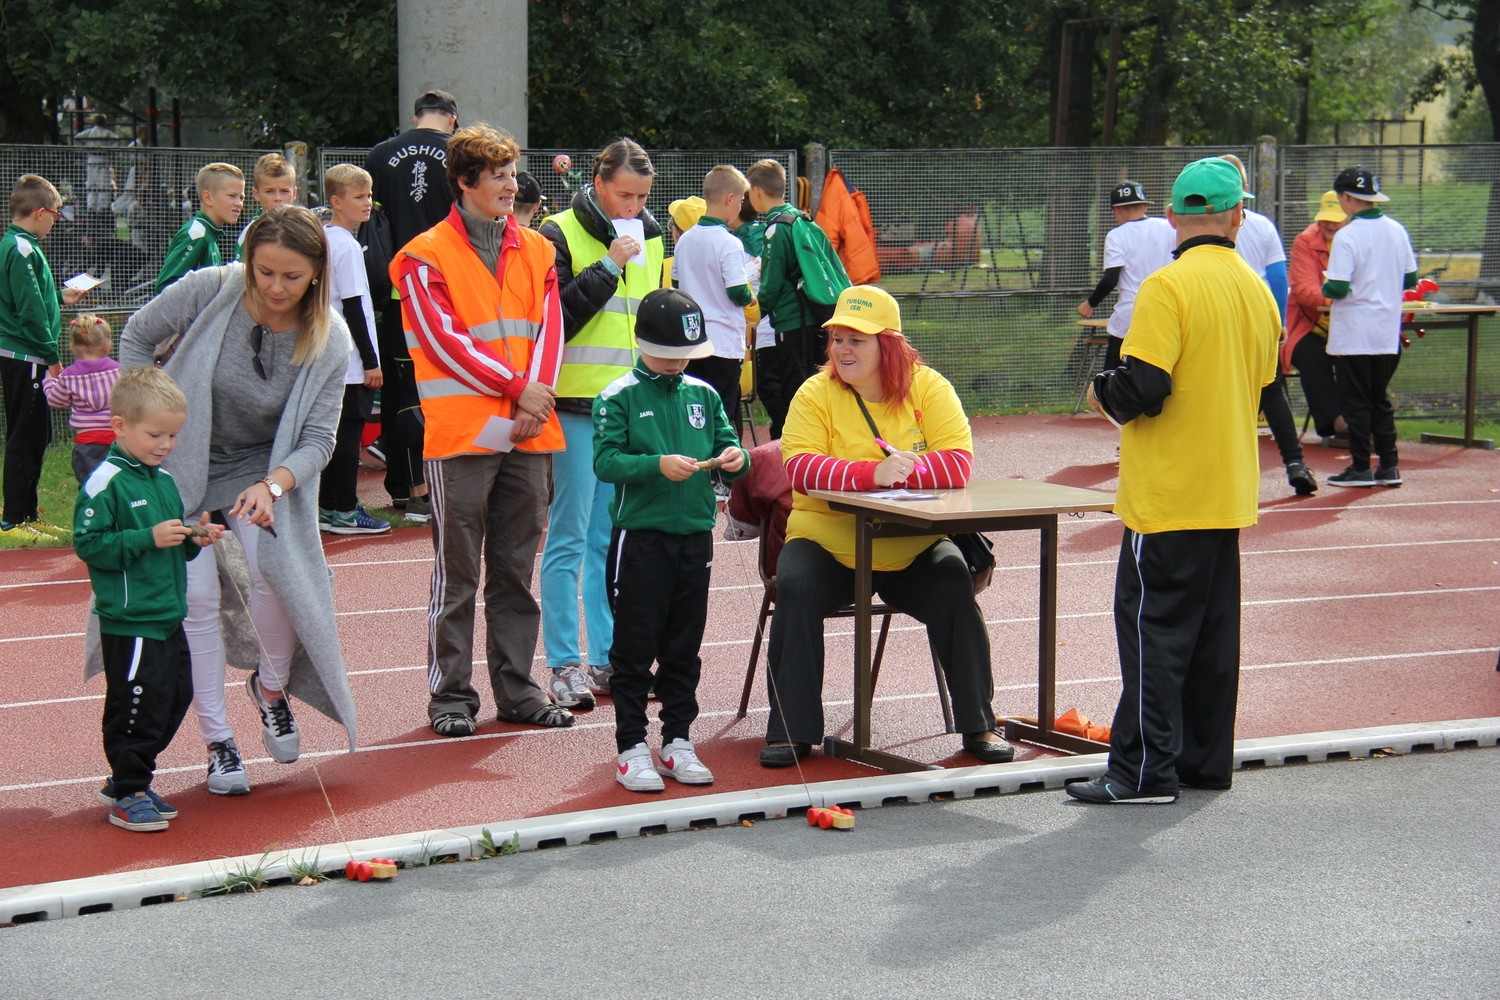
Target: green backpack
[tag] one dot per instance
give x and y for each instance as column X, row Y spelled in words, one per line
column 823, row 274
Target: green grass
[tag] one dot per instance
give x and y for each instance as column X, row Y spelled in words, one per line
column 1412, row 430
column 56, row 494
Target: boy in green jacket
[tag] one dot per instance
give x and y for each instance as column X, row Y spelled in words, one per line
column 128, row 529
column 221, row 192
column 657, row 434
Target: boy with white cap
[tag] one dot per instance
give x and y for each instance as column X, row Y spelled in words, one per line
column 1137, row 246
column 655, row 430
column 1369, row 265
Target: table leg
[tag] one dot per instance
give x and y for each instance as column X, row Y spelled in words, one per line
column 1471, row 397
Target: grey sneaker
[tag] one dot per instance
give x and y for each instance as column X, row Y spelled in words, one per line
column 226, row 773
column 570, row 688
column 278, row 728
column 598, row 679
column 680, row 760
column 1388, row 475
column 418, row 509
column 635, row 770
column 1301, row 479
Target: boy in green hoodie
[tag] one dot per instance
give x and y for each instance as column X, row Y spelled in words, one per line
column 221, row 192
column 655, row 430
column 128, row 529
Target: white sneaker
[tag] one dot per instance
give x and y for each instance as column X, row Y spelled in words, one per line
column 226, row 773
column 278, row 728
column 635, row 771
column 680, row 760
column 570, row 687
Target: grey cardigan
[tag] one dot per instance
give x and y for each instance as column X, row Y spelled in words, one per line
column 292, row 562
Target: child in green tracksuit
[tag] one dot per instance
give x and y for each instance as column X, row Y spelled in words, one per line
column 221, row 192
column 128, row 529
column 657, row 435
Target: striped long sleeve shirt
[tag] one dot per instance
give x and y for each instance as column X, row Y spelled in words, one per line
column 83, row 388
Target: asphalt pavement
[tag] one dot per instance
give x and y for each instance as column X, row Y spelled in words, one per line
column 1366, row 878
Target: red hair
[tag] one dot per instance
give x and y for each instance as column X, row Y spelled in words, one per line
column 897, row 359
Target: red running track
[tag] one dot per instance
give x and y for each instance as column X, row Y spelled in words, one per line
column 1362, row 608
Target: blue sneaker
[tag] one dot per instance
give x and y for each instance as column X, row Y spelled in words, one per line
column 351, row 522
column 137, row 813
column 106, row 797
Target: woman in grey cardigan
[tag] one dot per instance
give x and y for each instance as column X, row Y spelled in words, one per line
column 261, row 358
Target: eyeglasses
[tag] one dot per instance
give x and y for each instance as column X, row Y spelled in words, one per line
column 55, row 213
column 258, row 335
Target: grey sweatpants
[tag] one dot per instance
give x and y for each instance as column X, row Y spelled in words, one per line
column 495, row 505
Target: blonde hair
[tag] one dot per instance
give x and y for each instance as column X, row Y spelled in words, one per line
column 297, row 229
column 272, row 165
column 212, row 177
column 343, row 176
column 91, row 333
column 141, row 392
column 32, row 192
column 722, row 181
column 769, row 176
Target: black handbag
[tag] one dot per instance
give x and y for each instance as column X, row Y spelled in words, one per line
column 978, row 551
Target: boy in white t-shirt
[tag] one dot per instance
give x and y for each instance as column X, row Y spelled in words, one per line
column 348, row 191
column 1133, row 249
column 709, row 265
column 1369, row 265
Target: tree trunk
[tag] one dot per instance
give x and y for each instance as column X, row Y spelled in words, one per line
column 1152, row 127
column 1485, row 48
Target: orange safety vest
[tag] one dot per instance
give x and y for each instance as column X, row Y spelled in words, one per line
column 506, row 318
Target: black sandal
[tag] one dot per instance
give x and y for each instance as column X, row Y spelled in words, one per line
column 453, row 724
column 784, row 755
column 548, row 716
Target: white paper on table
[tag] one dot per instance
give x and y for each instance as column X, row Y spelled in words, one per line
column 495, row 434
column 902, row 495
column 82, row 281
column 636, row 230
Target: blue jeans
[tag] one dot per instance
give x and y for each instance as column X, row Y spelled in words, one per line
column 578, row 529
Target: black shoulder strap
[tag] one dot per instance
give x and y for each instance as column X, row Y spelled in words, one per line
column 868, row 419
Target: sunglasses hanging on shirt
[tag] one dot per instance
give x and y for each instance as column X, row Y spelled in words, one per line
column 258, row 335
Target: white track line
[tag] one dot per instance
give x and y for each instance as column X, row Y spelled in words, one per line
column 887, row 699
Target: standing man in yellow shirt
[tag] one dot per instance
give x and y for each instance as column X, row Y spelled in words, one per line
column 1202, row 343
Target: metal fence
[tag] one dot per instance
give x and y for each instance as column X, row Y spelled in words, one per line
column 989, row 251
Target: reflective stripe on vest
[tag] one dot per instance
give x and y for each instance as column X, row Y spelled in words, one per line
column 507, row 320
column 605, row 348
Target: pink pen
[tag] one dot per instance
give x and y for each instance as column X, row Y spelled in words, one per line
column 918, row 465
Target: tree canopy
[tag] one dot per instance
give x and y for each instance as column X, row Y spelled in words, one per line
column 712, row 73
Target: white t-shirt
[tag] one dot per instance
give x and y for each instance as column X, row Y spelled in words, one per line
column 709, row 260
column 1259, row 243
column 1138, row 247
column 765, row 335
column 346, row 279
column 1374, row 255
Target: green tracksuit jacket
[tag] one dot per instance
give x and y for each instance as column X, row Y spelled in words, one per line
column 139, row 589
column 30, row 307
column 642, row 416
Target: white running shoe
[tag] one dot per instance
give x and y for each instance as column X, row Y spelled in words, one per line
column 680, row 760
column 226, row 772
column 636, row 772
column 278, row 728
column 570, row 688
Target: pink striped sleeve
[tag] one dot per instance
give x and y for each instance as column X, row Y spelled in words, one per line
column 58, row 396
column 823, row 472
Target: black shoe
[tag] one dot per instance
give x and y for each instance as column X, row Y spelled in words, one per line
column 1388, row 475
column 1106, row 792
column 1202, row 783
column 1362, row 478
column 1300, row 479
column 453, row 725
column 995, row 751
column 784, row 755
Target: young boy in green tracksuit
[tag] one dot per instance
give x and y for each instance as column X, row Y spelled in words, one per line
column 128, row 529
column 221, row 192
column 657, row 434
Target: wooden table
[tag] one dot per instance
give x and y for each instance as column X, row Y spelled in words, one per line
column 1463, row 317
column 988, row 505
column 1094, row 336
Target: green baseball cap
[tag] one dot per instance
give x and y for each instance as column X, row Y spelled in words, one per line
column 1208, row 185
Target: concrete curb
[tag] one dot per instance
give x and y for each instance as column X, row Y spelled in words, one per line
column 128, row 890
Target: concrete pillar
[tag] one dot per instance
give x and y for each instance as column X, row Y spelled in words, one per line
column 474, row 49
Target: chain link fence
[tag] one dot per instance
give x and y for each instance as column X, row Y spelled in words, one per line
column 990, row 252
column 1448, row 199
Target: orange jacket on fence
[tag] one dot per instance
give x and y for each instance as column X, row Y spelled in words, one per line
column 477, row 342
column 1305, row 276
column 845, row 216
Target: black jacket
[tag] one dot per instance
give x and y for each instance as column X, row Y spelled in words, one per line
column 410, row 171
column 585, row 293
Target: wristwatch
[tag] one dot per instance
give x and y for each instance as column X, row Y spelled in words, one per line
column 276, row 491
